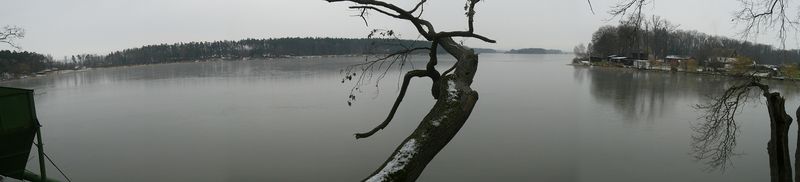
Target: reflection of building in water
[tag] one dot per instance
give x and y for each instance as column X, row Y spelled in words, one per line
column 646, row 95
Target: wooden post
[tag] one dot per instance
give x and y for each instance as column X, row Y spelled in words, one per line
column 41, row 153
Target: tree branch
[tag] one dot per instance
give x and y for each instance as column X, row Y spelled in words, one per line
column 418, row 7
column 464, row 34
column 406, row 80
column 431, row 66
column 418, row 23
column 715, row 139
column 771, row 10
column 375, row 9
column 367, row 69
column 471, row 14
column 762, row 15
column 9, row 33
column 621, row 9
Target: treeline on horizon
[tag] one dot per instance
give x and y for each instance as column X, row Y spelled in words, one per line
column 14, row 64
column 534, row 51
column 246, row 48
column 660, row 38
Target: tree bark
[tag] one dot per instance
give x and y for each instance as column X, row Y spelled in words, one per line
column 778, row 146
column 452, row 109
column 797, row 149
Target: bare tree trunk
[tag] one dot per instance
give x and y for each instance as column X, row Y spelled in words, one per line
column 454, row 97
column 778, row 146
column 797, row 150
column 454, row 105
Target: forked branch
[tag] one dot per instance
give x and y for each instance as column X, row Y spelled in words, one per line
column 406, row 80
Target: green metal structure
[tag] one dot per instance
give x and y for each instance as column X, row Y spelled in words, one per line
column 18, row 125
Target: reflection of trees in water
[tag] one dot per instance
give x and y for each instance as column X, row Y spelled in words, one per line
column 242, row 70
column 189, row 74
column 579, row 74
column 639, row 95
column 239, row 71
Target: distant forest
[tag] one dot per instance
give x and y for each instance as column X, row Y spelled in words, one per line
column 247, row 48
column 534, row 51
column 14, row 64
column 660, row 38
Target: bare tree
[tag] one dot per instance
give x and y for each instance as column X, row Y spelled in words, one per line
column 9, row 33
column 580, row 51
column 629, row 7
column 755, row 16
column 715, row 138
column 451, row 89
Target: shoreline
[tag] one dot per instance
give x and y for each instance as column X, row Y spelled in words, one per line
column 686, row 72
column 59, row 72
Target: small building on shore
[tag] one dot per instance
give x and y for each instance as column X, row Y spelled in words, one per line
column 641, row 64
column 719, row 64
column 675, row 59
column 620, row 60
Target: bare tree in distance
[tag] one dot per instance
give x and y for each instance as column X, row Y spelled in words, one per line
column 9, row 33
column 451, row 89
column 754, row 17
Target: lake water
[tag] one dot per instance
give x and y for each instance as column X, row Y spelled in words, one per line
column 287, row 120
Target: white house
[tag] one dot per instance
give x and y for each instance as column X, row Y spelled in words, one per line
column 641, row 64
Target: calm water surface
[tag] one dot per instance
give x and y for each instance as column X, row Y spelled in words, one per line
column 287, row 120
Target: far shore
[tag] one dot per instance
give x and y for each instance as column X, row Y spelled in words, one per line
column 680, row 71
column 58, row 72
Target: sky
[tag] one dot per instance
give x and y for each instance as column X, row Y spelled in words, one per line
column 63, row 28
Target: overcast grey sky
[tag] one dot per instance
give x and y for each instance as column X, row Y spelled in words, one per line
column 63, row 28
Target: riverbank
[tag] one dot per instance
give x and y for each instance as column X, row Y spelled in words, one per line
column 59, row 72
column 678, row 71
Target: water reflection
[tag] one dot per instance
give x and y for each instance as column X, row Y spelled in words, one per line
column 279, row 120
column 646, row 95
